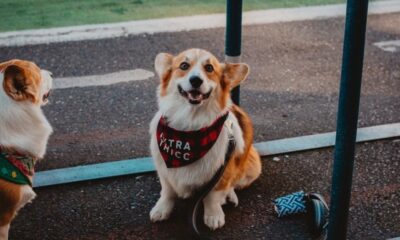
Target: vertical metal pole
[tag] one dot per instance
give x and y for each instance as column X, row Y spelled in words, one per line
column 233, row 38
column 346, row 131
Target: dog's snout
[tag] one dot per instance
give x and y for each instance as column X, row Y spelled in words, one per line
column 196, row 81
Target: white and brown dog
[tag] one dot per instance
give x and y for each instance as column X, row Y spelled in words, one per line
column 189, row 138
column 24, row 131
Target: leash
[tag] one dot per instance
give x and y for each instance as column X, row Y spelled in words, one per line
column 210, row 185
column 312, row 203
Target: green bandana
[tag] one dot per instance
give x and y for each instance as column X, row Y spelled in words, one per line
column 16, row 168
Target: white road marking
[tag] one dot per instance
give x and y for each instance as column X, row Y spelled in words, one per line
column 389, row 46
column 100, row 80
column 111, row 30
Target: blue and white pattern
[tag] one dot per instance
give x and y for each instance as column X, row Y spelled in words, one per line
column 290, row 204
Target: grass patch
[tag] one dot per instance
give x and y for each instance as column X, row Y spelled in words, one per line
column 31, row 14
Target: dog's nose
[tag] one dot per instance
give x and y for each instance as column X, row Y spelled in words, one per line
column 196, row 81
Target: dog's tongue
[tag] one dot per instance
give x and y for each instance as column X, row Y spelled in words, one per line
column 195, row 95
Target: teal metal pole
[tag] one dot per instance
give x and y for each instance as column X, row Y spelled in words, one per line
column 346, row 130
column 233, row 38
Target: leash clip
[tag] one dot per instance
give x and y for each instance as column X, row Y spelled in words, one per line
column 228, row 125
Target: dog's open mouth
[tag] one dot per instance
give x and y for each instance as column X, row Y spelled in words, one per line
column 45, row 97
column 194, row 96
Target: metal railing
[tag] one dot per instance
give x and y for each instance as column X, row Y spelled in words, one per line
column 347, row 118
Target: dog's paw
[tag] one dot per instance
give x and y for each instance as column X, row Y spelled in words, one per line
column 232, row 197
column 215, row 221
column 161, row 211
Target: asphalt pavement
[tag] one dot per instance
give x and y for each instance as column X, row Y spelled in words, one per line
column 292, row 91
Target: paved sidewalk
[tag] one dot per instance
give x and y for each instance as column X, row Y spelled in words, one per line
column 292, row 91
column 118, row 208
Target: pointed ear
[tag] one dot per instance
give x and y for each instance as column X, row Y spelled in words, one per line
column 17, row 85
column 163, row 64
column 235, row 73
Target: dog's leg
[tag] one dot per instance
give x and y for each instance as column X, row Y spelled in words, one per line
column 214, row 216
column 165, row 203
column 4, row 232
column 252, row 169
column 232, row 197
column 27, row 195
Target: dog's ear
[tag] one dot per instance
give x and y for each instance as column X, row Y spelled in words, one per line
column 235, row 73
column 163, row 64
column 18, row 85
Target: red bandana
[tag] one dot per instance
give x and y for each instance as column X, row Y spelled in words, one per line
column 181, row 148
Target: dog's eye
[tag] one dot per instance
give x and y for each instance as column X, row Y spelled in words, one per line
column 209, row 68
column 184, row 66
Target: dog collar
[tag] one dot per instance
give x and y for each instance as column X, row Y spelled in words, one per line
column 16, row 167
column 181, row 148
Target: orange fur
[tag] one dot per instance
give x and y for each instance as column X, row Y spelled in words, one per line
column 22, row 81
column 10, row 196
column 29, row 74
column 226, row 75
column 21, row 73
column 243, row 168
column 201, row 105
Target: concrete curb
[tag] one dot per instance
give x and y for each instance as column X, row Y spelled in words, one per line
column 145, row 165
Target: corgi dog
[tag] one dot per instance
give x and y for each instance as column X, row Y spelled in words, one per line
column 189, row 137
column 24, row 132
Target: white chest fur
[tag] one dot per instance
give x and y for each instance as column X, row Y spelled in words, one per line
column 188, row 178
